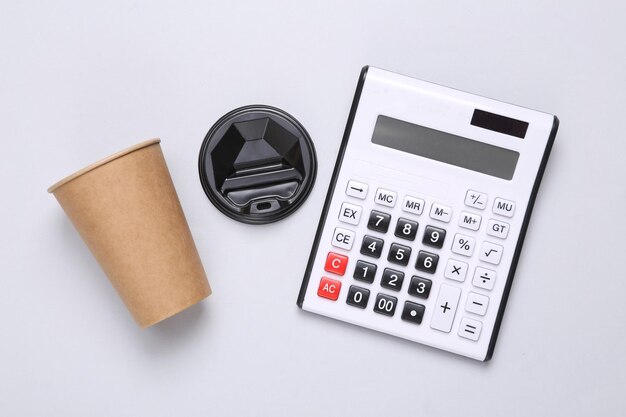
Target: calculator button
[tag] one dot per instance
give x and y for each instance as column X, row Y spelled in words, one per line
column 357, row 189
column 491, row 253
column 456, row 270
column 385, row 304
column 463, row 245
column 476, row 199
column 399, row 254
column 503, row 207
column 329, row 288
column 372, row 246
column 441, row 212
column 350, row 213
column 343, row 238
column 358, row 296
column 364, row 271
column 335, row 263
column 470, row 328
column 420, row 287
column 477, row 303
column 385, row 197
column 498, row 229
column 392, row 279
column 406, row 229
column 378, row 221
column 413, row 205
column 445, row 308
column 427, row 262
column 434, row 236
column 470, row 220
column 484, row 278
column 413, row 312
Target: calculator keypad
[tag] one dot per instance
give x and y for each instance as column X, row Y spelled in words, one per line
column 478, row 260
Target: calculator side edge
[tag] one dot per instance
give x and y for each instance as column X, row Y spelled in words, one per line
column 518, row 248
column 333, row 183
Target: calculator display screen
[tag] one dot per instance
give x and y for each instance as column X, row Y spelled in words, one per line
column 445, row 147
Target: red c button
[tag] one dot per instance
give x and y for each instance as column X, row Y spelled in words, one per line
column 336, row 264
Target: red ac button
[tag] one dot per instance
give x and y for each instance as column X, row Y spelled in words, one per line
column 329, row 288
column 336, row 264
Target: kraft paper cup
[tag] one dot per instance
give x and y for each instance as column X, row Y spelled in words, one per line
column 126, row 209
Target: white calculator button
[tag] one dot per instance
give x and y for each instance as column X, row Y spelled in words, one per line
column 463, row 245
column 503, row 207
column 386, row 197
column 484, row 278
column 357, row 189
column 470, row 328
column 498, row 229
column 476, row 199
column 343, row 238
column 491, row 253
column 441, row 212
column 413, row 205
column 350, row 213
column 456, row 270
column 470, row 220
column 445, row 308
column 477, row 303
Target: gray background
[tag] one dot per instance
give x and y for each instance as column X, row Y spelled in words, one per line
column 80, row 80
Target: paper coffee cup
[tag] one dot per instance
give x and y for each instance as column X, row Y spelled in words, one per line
column 126, row 209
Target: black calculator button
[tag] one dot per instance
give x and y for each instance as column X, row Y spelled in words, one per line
column 406, row 229
column 399, row 254
column 372, row 246
column 379, row 221
column 358, row 296
column 427, row 262
column 413, row 312
column 392, row 279
column 420, row 287
column 364, row 271
column 434, row 236
column 385, row 304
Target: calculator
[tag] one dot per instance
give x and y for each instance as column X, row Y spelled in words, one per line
column 426, row 213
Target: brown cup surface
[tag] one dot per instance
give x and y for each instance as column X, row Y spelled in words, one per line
column 126, row 209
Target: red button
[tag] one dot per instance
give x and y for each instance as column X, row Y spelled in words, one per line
column 329, row 288
column 336, row 263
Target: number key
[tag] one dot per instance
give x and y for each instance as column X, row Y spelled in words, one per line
column 406, row 229
column 364, row 271
column 385, row 304
column 379, row 221
column 420, row 287
column 358, row 296
column 434, row 236
column 372, row 246
column 399, row 254
column 392, row 279
column 427, row 262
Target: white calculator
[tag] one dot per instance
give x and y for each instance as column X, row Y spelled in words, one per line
column 426, row 213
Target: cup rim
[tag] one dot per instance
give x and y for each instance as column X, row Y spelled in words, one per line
column 104, row 161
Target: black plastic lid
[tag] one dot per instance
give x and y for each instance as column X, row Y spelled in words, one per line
column 257, row 164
